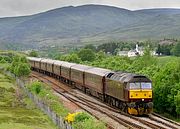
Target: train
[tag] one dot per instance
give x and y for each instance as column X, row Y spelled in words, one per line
column 129, row 92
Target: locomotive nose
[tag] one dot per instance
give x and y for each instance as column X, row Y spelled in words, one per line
column 140, row 94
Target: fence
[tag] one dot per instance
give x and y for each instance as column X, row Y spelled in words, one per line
column 59, row 121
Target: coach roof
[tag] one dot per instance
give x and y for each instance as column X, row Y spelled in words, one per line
column 67, row 64
column 59, row 63
column 81, row 67
column 98, row 71
column 34, row 59
column 49, row 61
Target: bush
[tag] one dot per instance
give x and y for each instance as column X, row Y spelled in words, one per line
column 22, row 69
column 86, row 55
column 20, row 66
column 36, row 87
column 82, row 117
column 71, row 58
column 85, row 121
column 3, row 61
column 33, row 54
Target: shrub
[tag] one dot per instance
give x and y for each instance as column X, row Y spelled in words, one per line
column 81, row 117
column 86, row 55
column 3, row 61
column 36, row 87
column 33, row 53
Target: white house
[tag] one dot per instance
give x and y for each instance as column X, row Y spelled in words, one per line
column 132, row 53
column 123, row 53
column 135, row 52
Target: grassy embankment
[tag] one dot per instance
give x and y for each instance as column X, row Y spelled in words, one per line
column 81, row 120
column 16, row 110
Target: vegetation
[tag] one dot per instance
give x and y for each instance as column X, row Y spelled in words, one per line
column 33, row 53
column 46, row 94
column 86, row 55
column 82, row 120
column 20, row 66
column 176, row 49
column 85, row 121
column 17, row 111
column 71, row 58
column 112, row 47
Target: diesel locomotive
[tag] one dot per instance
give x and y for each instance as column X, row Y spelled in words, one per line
column 129, row 92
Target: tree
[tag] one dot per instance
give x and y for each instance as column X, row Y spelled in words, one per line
column 86, row 55
column 166, row 88
column 144, row 61
column 20, row 66
column 90, row 46
column 33, row 54
column 71, row 58
column 100, row 55
column 158, row 49
column 176, row 49
column 166, row 49
column 23, row 69
column 23, row 59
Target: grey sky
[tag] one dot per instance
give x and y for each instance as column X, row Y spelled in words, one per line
column 27, row 7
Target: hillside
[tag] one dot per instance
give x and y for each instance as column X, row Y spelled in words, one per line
column 75, row 25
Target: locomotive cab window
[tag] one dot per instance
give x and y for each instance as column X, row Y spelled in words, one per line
column 140, row 85
column 135, row 85
column 146, row 85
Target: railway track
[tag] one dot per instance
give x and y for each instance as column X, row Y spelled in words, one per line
column 165, row 121
column 94, row 107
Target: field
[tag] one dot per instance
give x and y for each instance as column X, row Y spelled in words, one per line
column 165, row 59
column 17, row 111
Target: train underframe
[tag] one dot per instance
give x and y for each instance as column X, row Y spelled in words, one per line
column 134, row 107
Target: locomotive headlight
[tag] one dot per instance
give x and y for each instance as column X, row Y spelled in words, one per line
column 142, row 99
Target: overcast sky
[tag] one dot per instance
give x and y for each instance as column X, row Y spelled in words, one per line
column 27, row 7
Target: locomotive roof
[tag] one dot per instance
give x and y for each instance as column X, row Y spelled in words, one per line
column 127, row 77
column 98, row 71
column 67, row 64
column 81, row 67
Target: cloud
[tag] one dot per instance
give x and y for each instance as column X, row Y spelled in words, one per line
column 27, row 7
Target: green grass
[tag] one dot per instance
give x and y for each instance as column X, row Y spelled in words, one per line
column 85, row 121
column 165, row 59
column 4, row 65
column 17, row 111
column 45, row 92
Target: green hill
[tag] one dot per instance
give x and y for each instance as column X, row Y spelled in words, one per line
column 88, row 23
